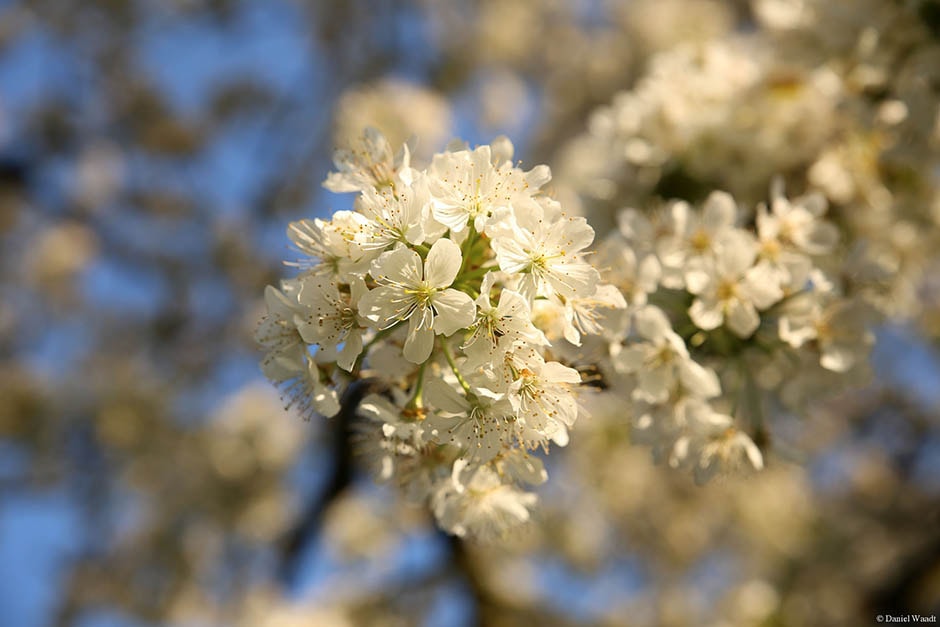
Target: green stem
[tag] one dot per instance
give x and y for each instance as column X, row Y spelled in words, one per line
column 378, row 336
column 751, row 397
column 465, row 287
column 467, row 248
column 477, row 274
column 416, row 401
column 453, row 366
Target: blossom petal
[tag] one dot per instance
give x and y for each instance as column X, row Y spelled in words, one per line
column 651, row 323
column 736, row 254
column 706, row 314
column 699, row 380
column 401, row 265
column 654, row 384
column 351, row 349
column 761, row 286
column 719, row 212
column 420, row 338
column 630, row 359
column 742, row 318
column 442, row 264
column 557, row 373
column 455, row 310
column 443, row 397
column 384, row 306
column 837, row 357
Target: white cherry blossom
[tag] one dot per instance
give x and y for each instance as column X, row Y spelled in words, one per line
column 471, row 185
column 474, row 501
column 661, row 362
column 330, row 319
column 368, row 165
column 418, row 291
column 730, row 289
column 541, row 396
column 479, row 422
column 498, row 326
column 546, row 253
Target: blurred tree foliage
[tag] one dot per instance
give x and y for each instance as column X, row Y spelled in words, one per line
column 151, row 154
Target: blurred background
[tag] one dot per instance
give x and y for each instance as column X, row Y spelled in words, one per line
column 151, row 157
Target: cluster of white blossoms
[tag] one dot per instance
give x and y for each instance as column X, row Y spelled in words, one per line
column 719, row 298
column 446, row 288
column 712, row 108
column 839, row 101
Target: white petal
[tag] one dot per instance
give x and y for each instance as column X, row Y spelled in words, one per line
column 761, row 286
column 401, row 265
column 697, row 279
column 420, row 339
column 325, row 399
column 609, row 296
column 736, row 253
column 453, row 217
column 555, row 372
column 647, row 276
column 357, row 288
column 706, row 315
column 679, row 216
column 502, row 149
column 651, row 323
column 655, row 384
column 742, row 318
column 351, row 350
column 820, row 239
column 796, row 332
column 573, row 234
column 573, row 279
column 630, row 359
column 512, row 304
column 442, row 396
column 837, row 358
column 560, row 437
column 277, row 303
column 442, row 264
column 384, row 306
column 699, row 380
column 283, row 365
column 538, row 176
column 719, row 212
column 570, row 332
column 754, row 455
column 455, row 310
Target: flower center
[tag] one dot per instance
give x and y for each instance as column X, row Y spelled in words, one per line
column 421, row 293
column 727, row 290
column 700, row 241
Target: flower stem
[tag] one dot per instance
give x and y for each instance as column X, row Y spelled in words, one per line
column 453, row 366
column 468, row 245
column 416, row 401
column 365, row 349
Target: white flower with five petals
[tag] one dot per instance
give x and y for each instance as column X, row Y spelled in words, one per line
column 472, row 185
column 419, row 292
column 330, row 319
column 661, row 362
column 498, row 326
column 731, row 289
column 546, row 252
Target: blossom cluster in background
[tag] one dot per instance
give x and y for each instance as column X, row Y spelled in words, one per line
column 731, row 311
